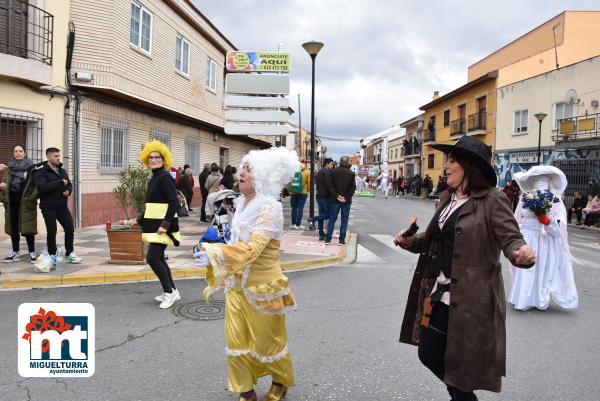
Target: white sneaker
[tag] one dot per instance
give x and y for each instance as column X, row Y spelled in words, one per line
column 161, row 297
column 73, row 258
column 32, row 257
column 300, row 227
column 292, row 227
column 169, row 300
column 335, row 235
column 14, row 257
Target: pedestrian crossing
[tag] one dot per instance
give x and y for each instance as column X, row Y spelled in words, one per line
column 378, row 250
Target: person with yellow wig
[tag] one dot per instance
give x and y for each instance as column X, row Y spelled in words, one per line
column 159, row 223
column 257, row 293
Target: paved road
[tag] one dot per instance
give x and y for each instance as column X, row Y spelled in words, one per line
column 343, row 337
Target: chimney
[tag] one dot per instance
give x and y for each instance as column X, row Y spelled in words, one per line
column 436, row 94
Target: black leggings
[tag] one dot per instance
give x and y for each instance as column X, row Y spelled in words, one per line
column 432, row 349
column 15, row 236
column 156, row 259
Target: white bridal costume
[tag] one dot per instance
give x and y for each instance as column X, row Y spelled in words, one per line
column 552, row 275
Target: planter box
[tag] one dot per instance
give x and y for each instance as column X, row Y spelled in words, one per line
column 126, row 246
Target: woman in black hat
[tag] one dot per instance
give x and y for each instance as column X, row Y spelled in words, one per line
column 456, row 305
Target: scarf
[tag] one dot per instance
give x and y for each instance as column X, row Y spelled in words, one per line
column 18, row 171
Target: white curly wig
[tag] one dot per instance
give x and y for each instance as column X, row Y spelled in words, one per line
column 271, row 169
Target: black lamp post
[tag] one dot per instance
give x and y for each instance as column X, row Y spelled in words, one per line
column 540, row 117
column 312, row 48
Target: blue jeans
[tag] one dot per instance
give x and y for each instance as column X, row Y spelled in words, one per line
column 323, row 204
column 334, row 209
column 297, row 202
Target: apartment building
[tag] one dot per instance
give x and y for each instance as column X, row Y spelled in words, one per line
column 33, row 101
column 145, row 69
column 569, row 135
column 412, row 145
column 463, row 111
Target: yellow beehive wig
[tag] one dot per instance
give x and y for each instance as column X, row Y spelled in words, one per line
column 156, row 146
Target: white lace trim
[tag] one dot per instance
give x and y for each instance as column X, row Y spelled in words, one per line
column 264, row 359
column 250, row 296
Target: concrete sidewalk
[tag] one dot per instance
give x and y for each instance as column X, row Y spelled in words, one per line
column 299, row 250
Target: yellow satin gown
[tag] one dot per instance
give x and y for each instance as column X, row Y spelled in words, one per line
column 257, row 297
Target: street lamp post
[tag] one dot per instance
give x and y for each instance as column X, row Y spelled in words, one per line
column 312, row 48
column 540, row 117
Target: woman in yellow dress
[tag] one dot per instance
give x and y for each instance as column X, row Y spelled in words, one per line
column 257, row 293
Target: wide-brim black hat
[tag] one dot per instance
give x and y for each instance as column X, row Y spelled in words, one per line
column 474, row 150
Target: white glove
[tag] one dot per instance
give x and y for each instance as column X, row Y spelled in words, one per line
column 201, row 258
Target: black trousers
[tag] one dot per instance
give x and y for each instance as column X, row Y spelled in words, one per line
column 570, row 215
column 63, row 216
column 203, row 212
column 432, row 349
column 15, row 236
column 156, row 259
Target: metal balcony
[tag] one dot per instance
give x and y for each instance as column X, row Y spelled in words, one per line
column 477, row 122
column 458, row 127
column 26, row 31
column 580, row 131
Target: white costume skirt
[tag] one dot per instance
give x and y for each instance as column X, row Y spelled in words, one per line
column 550, row 277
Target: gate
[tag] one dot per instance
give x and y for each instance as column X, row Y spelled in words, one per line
column 579, row 172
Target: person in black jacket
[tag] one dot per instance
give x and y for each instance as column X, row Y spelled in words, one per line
column 341, row 188
column 159, row 223
column 578, row 204
column 202, row 181
column 54, row 188
column 322, row 182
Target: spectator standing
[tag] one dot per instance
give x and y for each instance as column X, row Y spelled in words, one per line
column 577, row 207
column 54, row 188
column 19, row 196
column 322, row 196
column 227, row 180
column 427, row 186
column 192, row 183
column 186, row 186
column 203, row 192
column 299, row 188
column 214, row 179
column 341, row 189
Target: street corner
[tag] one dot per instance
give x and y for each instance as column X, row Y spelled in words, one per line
column 305, row 252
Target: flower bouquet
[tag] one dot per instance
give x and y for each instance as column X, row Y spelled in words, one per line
column 540, row 203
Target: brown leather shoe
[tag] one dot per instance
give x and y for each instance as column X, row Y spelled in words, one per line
column 276, row 393
column 252, row 397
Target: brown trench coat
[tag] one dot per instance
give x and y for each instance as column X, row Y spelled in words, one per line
column 476, row 340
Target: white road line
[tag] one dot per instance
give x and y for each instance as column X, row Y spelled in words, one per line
column 583, row 236
column 363, row 255
column 587, row 245
column 386, row 239
column 586, row 263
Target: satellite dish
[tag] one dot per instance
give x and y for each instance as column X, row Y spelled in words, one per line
column 571, row 96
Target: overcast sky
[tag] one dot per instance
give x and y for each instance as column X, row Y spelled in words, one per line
column 382, row 59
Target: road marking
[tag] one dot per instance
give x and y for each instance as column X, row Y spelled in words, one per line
column 583, row 236
column 587, row 245
column 363, row 255
column 386, row 239
column 586, row 263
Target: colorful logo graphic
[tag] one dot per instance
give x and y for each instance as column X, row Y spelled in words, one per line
column 56, row 340
column 257, row 61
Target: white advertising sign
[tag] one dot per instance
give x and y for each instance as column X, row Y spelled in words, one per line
column 523, row 157
column 257, row 84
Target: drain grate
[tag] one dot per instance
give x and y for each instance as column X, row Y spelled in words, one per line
column 201, row 310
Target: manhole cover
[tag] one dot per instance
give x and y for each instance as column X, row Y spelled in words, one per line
column 201, row 310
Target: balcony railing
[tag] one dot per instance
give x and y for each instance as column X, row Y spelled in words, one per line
column 429, row 135
column 477, row 121
column 458, row 127
column 26, row 31
column 580, row 127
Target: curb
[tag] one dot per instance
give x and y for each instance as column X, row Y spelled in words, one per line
column 113, row 278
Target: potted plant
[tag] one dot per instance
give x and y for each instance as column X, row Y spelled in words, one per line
column 125, row 240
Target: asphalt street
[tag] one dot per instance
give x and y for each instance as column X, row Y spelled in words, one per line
column 343, row 337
